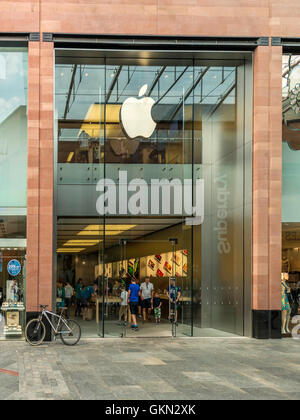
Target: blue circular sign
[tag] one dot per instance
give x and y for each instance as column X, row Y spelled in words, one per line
column 13, row 267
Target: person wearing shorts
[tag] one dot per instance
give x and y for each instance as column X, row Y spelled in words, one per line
column 123, row 305
column 133, row 300
column 147, row 297
column 173, row 293
column 157, row 307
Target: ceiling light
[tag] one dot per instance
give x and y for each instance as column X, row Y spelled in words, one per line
column 68, row 250
column 109, row 229
column 82, row 242
column 86, row 74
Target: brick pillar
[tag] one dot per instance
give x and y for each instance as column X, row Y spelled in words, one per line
column 39, row 285
column 46, row 173
column 267, row 139
column 33, row 167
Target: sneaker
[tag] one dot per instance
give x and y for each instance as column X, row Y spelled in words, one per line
column 133, row 327
column 136, row 328
column 140, row 316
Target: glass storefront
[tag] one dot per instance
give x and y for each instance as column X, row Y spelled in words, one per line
column 153, row 180
column 13, row 190
column 290, row 193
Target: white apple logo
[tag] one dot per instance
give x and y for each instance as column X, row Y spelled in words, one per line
column 135, row 116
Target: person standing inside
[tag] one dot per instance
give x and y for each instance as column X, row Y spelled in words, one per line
column 133, row 300
column 123, row 306
column 78, row 288
column 173, row 293
column 68, row 297
column 60, row 296
column 85, row 296
column 157, row 303
column 147, row 297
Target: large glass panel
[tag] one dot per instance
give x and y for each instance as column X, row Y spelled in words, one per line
column 13, row 127
column 13, row 190
column 219, row 131
column 138, row 138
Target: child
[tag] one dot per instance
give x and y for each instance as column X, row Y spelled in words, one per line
column 133, row 299
column 157, row 307
column 123, row 305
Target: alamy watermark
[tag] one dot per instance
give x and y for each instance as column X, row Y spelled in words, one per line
column 157, row 197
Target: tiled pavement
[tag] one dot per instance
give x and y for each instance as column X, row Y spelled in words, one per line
column 206, row 368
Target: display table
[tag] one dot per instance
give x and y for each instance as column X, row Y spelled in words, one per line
column 12, row 317
column 182, row 299
column 107, row 300
column 115, row 299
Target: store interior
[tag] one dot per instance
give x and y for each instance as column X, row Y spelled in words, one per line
column 291, row 266
column 107, row 256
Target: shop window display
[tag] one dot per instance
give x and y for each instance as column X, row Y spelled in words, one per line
column 12, row 293
column 290, row 281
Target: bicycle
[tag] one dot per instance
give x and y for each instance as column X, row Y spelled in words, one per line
column 68, row 329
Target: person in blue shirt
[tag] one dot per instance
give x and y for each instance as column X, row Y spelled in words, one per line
column 85, row 295
column 78, row 288
column 60, row 294
column 133, row 299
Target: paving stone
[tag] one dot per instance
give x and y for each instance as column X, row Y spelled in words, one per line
column 182, row 369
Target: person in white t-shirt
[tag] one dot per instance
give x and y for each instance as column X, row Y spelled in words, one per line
column 123, row 305
column 68, row 297
column 147, row 297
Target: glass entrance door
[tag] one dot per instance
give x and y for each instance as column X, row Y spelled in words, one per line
column 152, row 259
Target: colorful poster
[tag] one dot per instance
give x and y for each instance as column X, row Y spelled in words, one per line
column 167, row 264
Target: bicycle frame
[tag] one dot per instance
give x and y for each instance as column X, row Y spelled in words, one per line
column 61, row 319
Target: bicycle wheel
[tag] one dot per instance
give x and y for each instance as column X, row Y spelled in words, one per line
column 35, row 332
column 70, row 333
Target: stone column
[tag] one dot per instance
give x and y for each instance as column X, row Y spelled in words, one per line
column 267, row 139
column 39, row 287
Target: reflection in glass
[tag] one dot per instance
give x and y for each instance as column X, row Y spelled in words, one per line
column 13, row 127
column 198, row 133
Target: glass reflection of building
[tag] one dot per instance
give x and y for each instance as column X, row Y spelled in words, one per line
column 13, row 190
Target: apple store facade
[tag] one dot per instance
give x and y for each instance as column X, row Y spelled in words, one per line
column 123, row 120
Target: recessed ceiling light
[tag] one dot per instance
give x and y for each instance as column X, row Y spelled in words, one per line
column 68, row 250
column 92, row 230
